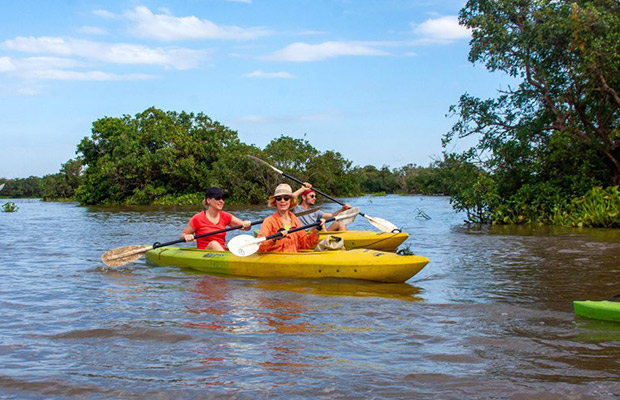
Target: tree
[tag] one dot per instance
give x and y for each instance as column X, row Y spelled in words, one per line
column 559, row 128
column 138, row 159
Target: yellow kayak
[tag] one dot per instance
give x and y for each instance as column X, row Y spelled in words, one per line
column 371, row 265
column 369, row 239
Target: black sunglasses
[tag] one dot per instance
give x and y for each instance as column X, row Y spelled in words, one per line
column 218, row 198
column 285, row 198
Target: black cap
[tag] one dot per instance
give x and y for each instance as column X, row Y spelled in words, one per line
column 213, row 192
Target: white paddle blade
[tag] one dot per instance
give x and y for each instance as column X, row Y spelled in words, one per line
column 382, row 224
column 2, row 186
column 244, row 245
column 347, row 217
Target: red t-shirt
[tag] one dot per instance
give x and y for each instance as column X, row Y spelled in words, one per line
column 202, row 225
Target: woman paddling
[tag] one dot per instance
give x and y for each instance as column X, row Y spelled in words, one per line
column 210, row 220
column 282, row 220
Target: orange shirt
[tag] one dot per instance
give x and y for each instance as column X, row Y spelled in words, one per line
column 293, row 242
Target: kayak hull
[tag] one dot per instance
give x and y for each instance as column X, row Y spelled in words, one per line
column 365, row 264
column 603, row 310
column 369, row 239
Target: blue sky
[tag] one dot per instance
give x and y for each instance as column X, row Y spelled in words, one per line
column 371, row 79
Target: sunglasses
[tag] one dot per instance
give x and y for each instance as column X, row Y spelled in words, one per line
column 312, row 195
column 218, row 198
column 285, row 198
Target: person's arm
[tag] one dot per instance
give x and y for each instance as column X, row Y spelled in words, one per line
column 188, row 233
column 234, row 221
column 342, row 209
column 302, row 189
column 268, row 227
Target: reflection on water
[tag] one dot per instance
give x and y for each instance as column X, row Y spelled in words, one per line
column 489, row 317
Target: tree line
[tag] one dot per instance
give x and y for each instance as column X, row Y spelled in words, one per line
column 165, row 157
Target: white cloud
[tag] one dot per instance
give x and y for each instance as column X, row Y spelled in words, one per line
column 303, row 52
column 260, row 74
column 6, row 64
column 92, row 30
column 104, row 14
column 442, row 29
column 115, row 53
column 56, row 68
column 166, row 27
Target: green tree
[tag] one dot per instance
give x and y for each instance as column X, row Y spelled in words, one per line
column 556, row 133
column 156, row 153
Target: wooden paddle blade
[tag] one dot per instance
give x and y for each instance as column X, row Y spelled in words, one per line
column 382, row 224
column 123, row 255
column 244, row 245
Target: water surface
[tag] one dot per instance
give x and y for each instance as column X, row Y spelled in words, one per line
column 489, row 317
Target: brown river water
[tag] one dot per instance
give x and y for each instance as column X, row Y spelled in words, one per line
column 489, row 317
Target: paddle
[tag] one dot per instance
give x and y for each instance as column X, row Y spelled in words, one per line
column 245, row 245
column 124, row 255
column 2, row 186
column 379, row 223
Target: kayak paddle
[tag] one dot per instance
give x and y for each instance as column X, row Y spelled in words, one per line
column 246, row 245
column 379, row 223
column 2, row 186
column 124, row 255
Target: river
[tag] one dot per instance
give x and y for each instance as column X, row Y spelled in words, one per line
column 489, row 317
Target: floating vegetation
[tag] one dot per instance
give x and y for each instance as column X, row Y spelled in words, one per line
column 9, row 207
column 421, row 214
column 405, row 251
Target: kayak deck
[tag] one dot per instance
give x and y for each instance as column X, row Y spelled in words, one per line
column 369, row 239
column 365, row 264
column 603, row 310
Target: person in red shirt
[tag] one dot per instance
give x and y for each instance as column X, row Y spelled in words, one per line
column 210, row 220
column 281, row 221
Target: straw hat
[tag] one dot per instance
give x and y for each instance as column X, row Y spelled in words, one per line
column 282, row 189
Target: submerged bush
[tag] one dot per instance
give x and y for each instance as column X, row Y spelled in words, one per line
column 597, row 208
column 9, row 207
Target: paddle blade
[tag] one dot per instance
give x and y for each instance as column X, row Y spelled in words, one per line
column 347, row 217
column 244, row 245
column 123, row 255
column 382, row 224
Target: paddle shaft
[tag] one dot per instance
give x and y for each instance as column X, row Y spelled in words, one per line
column 316, row 190
column 299, row 228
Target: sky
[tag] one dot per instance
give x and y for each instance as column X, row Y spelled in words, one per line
column 371, row 79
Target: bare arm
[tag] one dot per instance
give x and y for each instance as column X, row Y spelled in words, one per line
column 234, row 221
column 188, row 233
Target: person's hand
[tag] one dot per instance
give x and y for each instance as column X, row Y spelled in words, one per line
column 346, row 207
column 246, row 225
column 284, row 233
column 323, row 228
column 307, row 185
column 188, row 238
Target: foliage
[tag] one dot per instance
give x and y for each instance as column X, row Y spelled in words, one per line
column 375, row 180
column 556, row 134
column 9, row 207
column 136, row 160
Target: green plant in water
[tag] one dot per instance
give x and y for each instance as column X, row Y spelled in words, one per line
column 9, row 207
column 405, row 251
column 598, row 208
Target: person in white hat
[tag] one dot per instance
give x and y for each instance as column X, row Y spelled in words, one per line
column 283, row 199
